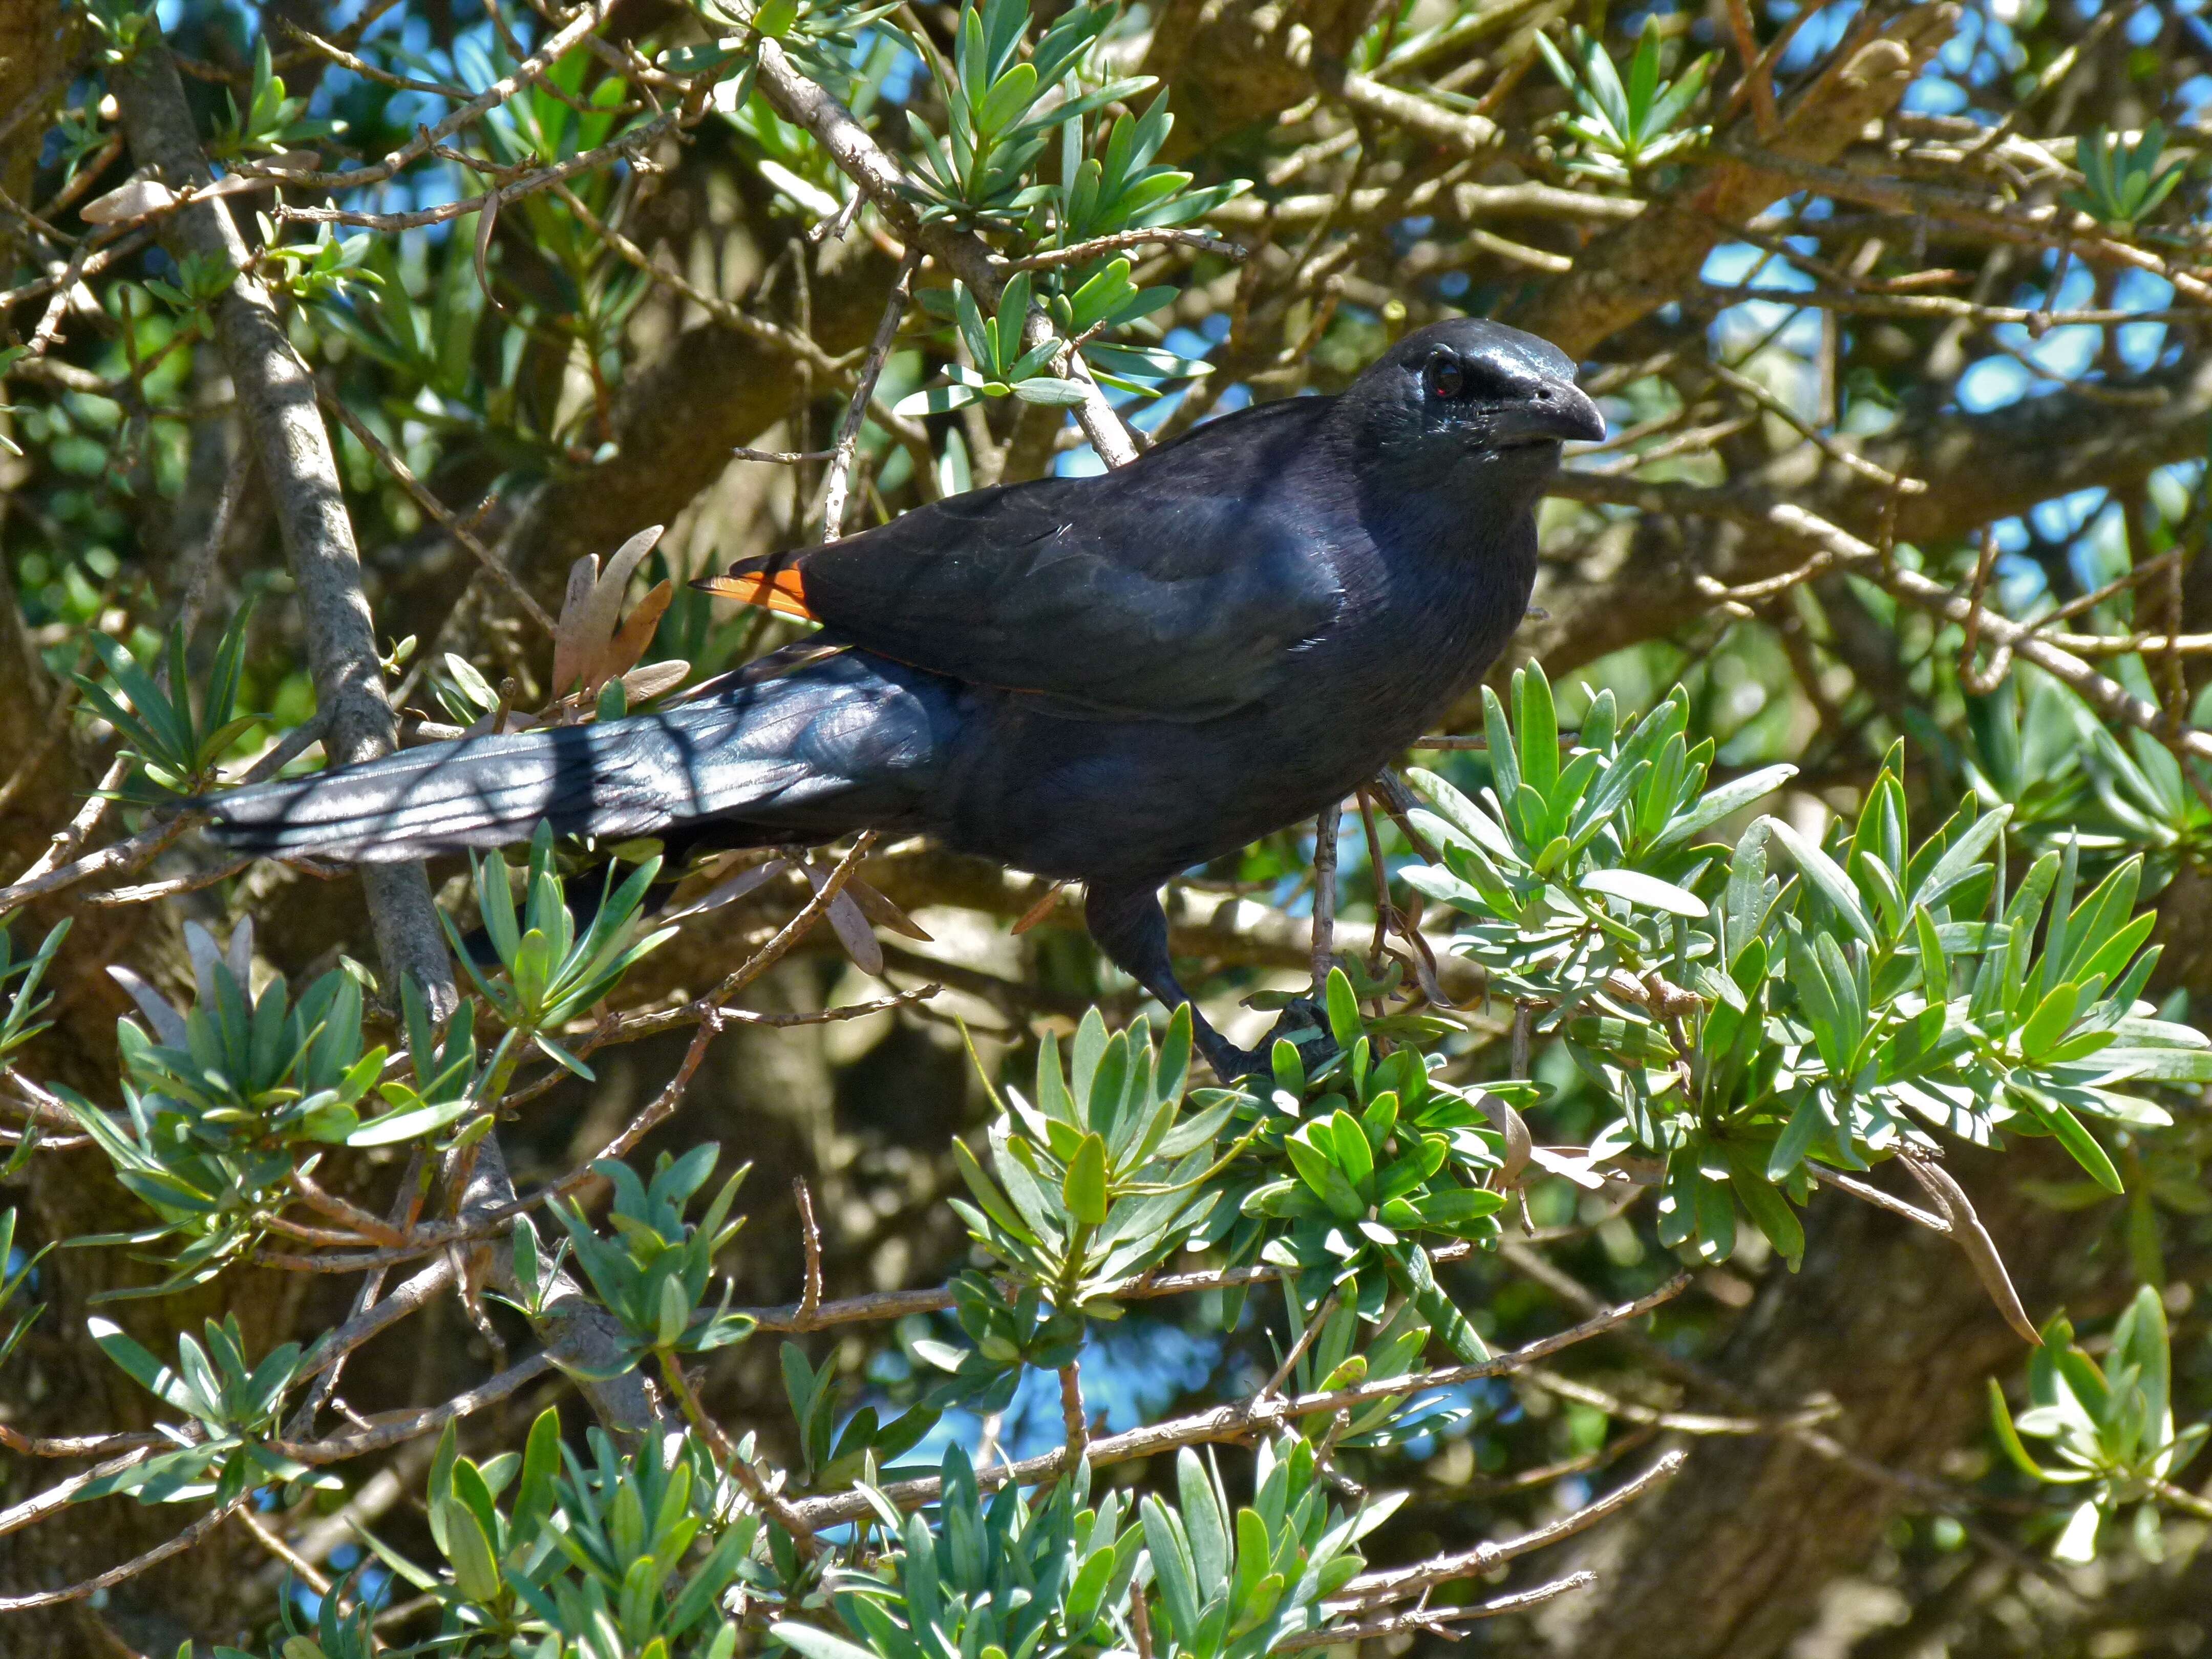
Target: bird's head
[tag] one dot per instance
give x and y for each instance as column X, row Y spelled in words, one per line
column 1468, row 398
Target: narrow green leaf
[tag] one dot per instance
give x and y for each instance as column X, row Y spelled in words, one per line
column 1083, row 1189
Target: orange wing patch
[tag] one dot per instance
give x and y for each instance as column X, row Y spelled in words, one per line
column 782, row 591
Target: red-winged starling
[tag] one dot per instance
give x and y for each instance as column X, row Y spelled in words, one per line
column 1106, row 679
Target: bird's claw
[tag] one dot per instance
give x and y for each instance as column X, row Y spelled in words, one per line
column 1302, row 1018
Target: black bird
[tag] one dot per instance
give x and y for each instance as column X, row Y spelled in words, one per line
column 1107, row 679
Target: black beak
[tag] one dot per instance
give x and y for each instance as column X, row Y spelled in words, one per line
column 1552, row 413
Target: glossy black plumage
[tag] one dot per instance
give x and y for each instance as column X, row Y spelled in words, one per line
column 1107, row 679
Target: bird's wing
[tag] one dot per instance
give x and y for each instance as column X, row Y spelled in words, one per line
column 1176, row 589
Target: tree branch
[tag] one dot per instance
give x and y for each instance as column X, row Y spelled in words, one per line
column 276, row 402
column 1630, row 272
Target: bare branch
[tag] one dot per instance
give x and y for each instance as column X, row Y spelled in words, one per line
column 1243, row 1419
column 277, row 401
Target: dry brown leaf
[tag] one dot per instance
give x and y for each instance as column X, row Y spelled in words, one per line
column 643, row 684
column 881, row 911
column 729, row 892
column 1043, row 908
column 1974, row 1239
column 855, row 935
column 850, row 924
column 634, row 634
column 126, row 202
column 570, row 649
column 583, row 641
column 1520, row 1144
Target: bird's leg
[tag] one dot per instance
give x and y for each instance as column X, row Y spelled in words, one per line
column 1129, row 925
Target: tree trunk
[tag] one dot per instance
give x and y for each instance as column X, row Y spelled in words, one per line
column 1729, row 1560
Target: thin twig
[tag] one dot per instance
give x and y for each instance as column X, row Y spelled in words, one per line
column 131, row 1569
column 493, row 566
column 810, row 1235
column 1396, row 1583
column 120, row 856
column 1868, row 1194
column 409, row 1425
column 757, row 1486
column 1305, row 1339
column 311, row 1575
column 836, row 488
column 1243, row 1419
column 1076, row 1425
column 732, row 317
column 76, row 1445
column 1205, row 241
column 1980, row 682
column 1437, row 1621
column 782, row 457
column 586, row 22
column 406, row 1206
column 151, row 891
column 624, row 146
column 1324, row 904
column 78, row 830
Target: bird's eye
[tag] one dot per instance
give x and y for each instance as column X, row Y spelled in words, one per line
column 1446, row 378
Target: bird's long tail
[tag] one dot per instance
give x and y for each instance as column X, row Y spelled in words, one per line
column 843, row 745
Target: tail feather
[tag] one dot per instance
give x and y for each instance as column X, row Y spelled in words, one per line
column 845, row 745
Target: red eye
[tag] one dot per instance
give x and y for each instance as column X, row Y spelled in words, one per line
column 1446, row 378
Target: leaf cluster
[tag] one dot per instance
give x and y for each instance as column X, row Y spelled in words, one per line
column 233, row 1404
column 1742, row 1025
column 1622, row 128
column 219, row 1099
column 548, row 1555
column 178, row 746
column 2110, row 1427
column 1102, row 1175
column 652, row 1273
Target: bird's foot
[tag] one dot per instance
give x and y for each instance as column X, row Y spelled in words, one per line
column 1302, row 1021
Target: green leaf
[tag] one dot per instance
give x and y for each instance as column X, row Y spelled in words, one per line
column 2078, row 1141
column 2048, row 1023
column 476, row 1570
column 1008, row 98
column 1053, row 392
column 1647, row 892
column 1180, row 1594
column 1344, row 1022
column 411, row 1122
column 2009, row 1437
column 817, row 1644
column 1826, row 877
column 937, row 400
column 1537, row 726
column 1353, row 1155
column 1768, row 1210
column 1083, row 1189
column 1729, row 797
column 147, row 1371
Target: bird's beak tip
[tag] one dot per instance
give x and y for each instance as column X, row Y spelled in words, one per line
column 1579, row 413
column 1564, row 413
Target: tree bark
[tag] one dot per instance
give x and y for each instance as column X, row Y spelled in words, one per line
column 1888, row 1320
column 276, row 402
